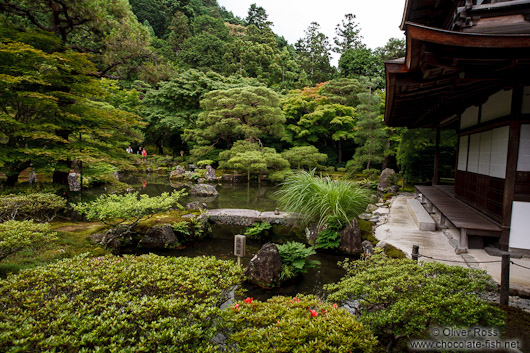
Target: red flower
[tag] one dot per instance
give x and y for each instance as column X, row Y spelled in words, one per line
column 249, row 300
column 335, row 306
column 236, row 307
column 324, row 311
column 295, row 299
column 278, row 320
column 313, row 313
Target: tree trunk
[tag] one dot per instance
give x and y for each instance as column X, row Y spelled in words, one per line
column 386, row 160
column 60, row 177
column 13, row 172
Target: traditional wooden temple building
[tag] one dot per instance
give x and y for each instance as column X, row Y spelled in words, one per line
column 467, row 67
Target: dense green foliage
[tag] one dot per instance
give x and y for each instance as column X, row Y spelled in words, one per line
column 295, row 259
column 42, row 207
column 258, row 230
column 304, row 156
column 400, row 298
column 322, row 199
column 127, row 209
column 114, row 304
column 16, row 236
column 299, row 324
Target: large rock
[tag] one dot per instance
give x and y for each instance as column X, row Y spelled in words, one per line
column 385, row 180
column 350, row 239
column 265, row 267
column 114, row 239
column 203, row 190
column 311, row 232
column 210, row 174
column 177, row 173
column 73, row 182
column 159, row 237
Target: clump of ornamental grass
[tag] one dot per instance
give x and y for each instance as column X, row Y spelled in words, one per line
column 322, row 199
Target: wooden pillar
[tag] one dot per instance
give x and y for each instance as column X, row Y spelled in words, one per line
column 511, row 167
column 435, row 176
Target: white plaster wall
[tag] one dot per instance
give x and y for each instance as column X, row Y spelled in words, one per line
column 462, row 152
column 497, row 105
column 485, row 153
column 469, row 117
column 519, row 229
column 474, row 152
column 523, row 161
column 499, row 152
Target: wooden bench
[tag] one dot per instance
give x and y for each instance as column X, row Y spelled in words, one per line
column 465, row 218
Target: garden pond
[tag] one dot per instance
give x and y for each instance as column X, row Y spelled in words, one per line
column 255, row 196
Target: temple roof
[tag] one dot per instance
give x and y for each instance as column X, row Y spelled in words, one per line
column 446, row 71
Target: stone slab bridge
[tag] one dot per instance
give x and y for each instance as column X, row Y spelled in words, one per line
column 246, row 217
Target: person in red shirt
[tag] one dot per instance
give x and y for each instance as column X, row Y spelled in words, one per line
column 144, row 154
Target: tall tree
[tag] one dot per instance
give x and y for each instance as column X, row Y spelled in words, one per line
column 53, row 110
column 348, row 35
column 248, row 113
column 314, row 54
column 370, row 134
column 175, row 105
column 358, row 62
column 393, row 49
column 258, row 17
column 314, row 120
column 106, row 29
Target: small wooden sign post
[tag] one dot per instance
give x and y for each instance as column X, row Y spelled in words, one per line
column 240, row 242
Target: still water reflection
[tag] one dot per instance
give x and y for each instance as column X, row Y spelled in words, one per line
column 221, row 244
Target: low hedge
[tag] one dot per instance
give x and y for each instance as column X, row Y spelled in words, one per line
column 42, row 207
column 300, row 324
column 115, row 304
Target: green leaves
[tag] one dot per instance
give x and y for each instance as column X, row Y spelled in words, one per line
column 131, row 303
column 19, row 235
column 299, row 324
column 42, row 207
column 399, row 298
column 295, row 259
column 322, row 200
column 116, row 209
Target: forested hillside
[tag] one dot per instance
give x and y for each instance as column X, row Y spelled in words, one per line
column 82, row 80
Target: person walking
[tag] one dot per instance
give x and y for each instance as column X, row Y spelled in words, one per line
column 144, row 155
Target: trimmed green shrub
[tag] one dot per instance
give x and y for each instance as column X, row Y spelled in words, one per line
column 42, row 207
column 129, row 209
column 146, row 303
column 300, row 324
column 204, row 163
column 400, row 298
column 295, row 259
column 322, row 199
column 16, row 236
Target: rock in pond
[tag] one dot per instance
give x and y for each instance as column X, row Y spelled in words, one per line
column 196, row 205
column 210, row 174
column 177, row 173
column 265, row 267
column 350, row 239
column 368, row 248
column 159, row 237
column 203, row 190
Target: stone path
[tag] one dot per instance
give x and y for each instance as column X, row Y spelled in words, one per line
column 401, row 231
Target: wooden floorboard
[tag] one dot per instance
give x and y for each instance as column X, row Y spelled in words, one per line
column 456, row 211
